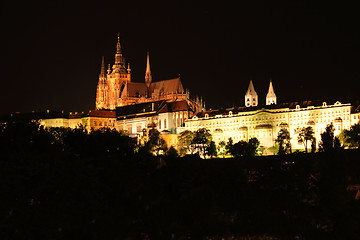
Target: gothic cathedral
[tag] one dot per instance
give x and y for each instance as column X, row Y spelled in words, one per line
column 115, row 88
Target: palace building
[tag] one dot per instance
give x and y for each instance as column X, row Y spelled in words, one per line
column 264, row 122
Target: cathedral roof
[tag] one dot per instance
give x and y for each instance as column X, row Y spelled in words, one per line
column 136, row 89
column 175, row 106
column 167, row 86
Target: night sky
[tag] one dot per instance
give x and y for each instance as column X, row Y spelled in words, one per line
column 53, row 51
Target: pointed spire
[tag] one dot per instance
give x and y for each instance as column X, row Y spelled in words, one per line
column 251, row 97
column 148, row 77
column 118, row 56
column 270, row 97
column 251, row 88
column 102, row 72
column 148, row 63
column 118, row 46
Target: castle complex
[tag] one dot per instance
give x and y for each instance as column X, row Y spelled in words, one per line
column 136, row 107
column 264, row 122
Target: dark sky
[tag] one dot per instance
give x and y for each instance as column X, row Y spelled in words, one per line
column 53, row 51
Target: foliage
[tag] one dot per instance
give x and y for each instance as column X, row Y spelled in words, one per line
column 156, row 143
column 202, row 139
column 243, row 148
column 172, row 152
column 221, row 148
column 305, row 134
column 229, row 145
column 99, row 188
column 184, row 142
column 211, row 150
column 329, row 141
column 351, row 138
column 283, row 140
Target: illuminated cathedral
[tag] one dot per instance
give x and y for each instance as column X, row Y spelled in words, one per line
column 115, row 88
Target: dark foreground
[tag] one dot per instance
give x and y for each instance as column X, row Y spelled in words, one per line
column 121, row 195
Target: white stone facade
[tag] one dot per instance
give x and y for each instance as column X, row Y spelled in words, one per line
column 265, row 123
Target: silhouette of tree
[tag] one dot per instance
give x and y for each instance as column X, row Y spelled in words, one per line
column 352, row 137
column 329, row 141
column 185, row 139
column 172, row 152
column 229, row 146
column 211, row 149
column 202, row 139
column 305, row 134
column 239, row 149
column 283, row 140
column 243, row 148
column 253, row 145
column 222, row 148
column 156, row 143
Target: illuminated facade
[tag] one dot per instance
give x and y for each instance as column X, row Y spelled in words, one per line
column 93, row 120
column 265, row 122
column 166, row 116
column 115, row 88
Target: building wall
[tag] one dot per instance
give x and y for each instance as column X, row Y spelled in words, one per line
column 133, row 126
column 265, row 124
column 55, row 122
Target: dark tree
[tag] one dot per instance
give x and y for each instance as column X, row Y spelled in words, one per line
column 156, row 143
column 352, row 137
column 202, row 139
column 328, row 140
column 283, row 140
column 185, row 139
column 305, row 135
column 243, row 148
column 211, row 149
column 172, row 152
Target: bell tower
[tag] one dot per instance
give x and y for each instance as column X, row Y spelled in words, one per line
column 270, row 97
column 251, row 97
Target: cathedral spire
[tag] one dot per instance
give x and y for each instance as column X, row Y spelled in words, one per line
column 118, row 51
column 148, row 77
column 270, row 97
column 102, row 72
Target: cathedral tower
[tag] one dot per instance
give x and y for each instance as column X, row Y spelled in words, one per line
column 251, row 97
column 270, row 97
column 101, row 88
column 112, row 83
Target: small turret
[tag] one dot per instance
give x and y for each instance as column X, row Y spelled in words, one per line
column 251, row 97
column 270, row 97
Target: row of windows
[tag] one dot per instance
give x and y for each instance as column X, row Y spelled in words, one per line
column 104, row 124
